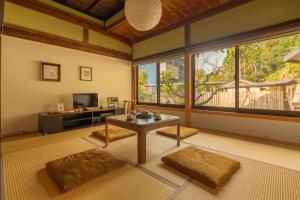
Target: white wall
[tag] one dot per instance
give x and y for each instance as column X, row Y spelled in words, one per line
column 274, row 129
column 24, row 95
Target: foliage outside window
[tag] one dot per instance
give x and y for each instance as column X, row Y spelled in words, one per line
column 268, row 79
column 171, row 88
column 268, row 71
column 147, row 83
column 172, row 81
column 214, row 71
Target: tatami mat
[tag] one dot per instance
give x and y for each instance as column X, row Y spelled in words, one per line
column 26, row 177
column 284, row 157
column 157, row 147
column 254, row 180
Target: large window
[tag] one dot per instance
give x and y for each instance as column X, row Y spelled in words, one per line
column 147, row 83
column 164, row 88
column 214, row 78
column 267, row 75
column 172, row 81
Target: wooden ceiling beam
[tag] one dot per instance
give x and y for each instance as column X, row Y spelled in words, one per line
column 92, row 5
column 29, row 34
column 1, row 15
column 214, row 11
column 55, row 12
column 116, row 23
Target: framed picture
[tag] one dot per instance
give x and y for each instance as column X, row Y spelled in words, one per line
column 86, row 73
column 50, row 72
column 60, row 107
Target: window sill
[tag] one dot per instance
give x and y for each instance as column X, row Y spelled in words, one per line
column 160, row 107
column 245, row 115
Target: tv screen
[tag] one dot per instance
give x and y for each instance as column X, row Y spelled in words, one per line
column 85, row 100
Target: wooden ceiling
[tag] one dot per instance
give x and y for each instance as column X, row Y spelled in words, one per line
column 100, row 9
column 174, row 13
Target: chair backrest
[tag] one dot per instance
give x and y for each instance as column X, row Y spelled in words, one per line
column 112, row 102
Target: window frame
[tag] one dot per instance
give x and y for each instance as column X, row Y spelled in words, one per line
column 237, row 109
column 158, row 85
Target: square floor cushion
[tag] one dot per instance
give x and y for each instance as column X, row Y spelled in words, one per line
column 171, row 131
column 211, row 169
column 76, row 169
column 114, row 133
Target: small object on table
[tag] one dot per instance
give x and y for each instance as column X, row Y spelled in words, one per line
column 142, row 127
column 157, row 116
column 130, row 117
column 144, row 115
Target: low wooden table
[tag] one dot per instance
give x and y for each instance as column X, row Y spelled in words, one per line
column 142, row 127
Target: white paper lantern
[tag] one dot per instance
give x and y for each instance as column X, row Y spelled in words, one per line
column 143, row 15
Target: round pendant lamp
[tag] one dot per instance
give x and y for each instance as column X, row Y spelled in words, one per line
column 143, row 15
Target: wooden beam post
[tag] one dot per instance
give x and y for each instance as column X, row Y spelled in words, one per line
column 188, row 89
column 1, row 26
column 86, row 35
column 133, row 83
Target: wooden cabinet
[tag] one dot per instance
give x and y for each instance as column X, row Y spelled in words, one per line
column 53, row 123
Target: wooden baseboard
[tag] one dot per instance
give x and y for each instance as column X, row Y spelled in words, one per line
column 268, row 141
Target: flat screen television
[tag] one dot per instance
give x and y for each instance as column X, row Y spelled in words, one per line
column 85, row 100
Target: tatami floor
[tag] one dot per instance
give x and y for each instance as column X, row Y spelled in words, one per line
column 268, row 170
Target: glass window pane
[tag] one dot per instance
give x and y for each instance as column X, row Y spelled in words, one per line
column 172, row 81
column 270, row 74
column 147, row 83
column 214, row 78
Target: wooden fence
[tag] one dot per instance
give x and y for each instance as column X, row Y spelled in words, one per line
column 268, row 100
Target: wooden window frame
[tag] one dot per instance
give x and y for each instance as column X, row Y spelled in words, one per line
column 158, row 86
column 237, row 109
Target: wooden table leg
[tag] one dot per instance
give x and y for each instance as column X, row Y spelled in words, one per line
column 106, row 135
column 141, row 147
column 178, row 134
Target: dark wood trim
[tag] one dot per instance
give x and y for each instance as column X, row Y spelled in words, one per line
column 55, row 12
column 133, row 82
column 92, row 6
column 237, row 76
column 214, row 11
column 160, row 56
column 281, row 29
column 187, row 34
column 52, row 64
column 269, row 32
column 247, row 115
column 1, row 15
column 111, row 26
column 0, row 86
column 29, row 34
column 268, row 141
column 86, row 35
column 188, row 89
column 158, row 82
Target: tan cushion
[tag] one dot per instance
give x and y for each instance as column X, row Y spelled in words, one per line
column 211, row 169
column 171, row 131
column 114, row 133
column 74, row 170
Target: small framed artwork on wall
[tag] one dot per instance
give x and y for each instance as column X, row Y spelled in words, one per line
column 50, row 72
column 85, row 73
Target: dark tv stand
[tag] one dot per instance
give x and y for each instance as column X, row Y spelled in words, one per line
column 58, row 122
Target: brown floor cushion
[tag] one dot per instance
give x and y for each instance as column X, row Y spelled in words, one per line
column 114, row 133
column 211, row 169
column 171, row 131
column 74, row 170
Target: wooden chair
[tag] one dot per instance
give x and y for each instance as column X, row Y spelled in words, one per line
column 112, row 102
column 129, row 105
